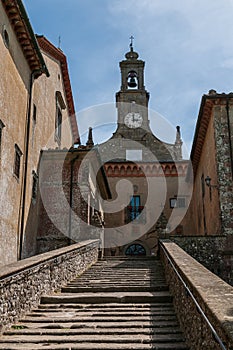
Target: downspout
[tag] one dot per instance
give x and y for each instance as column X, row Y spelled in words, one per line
column 24, row 186
column 229, row 135
column 71, row 195
column 26, row 150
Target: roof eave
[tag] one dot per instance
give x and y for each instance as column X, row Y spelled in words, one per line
column 23, row 30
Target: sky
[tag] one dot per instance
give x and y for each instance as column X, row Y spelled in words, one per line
column 186, row 45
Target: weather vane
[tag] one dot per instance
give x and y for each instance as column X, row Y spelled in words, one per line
column 131, row 42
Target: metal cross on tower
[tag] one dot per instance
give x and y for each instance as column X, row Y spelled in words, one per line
column 131, row 42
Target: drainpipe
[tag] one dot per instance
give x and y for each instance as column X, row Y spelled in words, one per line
column 71, row 195
column 229, row 133
column 26, row 152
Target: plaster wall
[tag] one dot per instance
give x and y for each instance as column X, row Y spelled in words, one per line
column 14, row 82
column 205, row 200
column 42, row 137
column 155, row 193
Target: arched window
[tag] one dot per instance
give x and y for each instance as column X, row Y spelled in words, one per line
column 132, row 80
column 135, row 249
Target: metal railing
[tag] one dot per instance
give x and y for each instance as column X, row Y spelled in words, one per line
column 188, row 291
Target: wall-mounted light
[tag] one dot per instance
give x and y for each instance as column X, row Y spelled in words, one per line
column 208, row 182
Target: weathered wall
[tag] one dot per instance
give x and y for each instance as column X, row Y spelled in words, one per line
column 14, row 108
column 14, row 84
column 155, row 184
column 204, row 206
column 23, row 283
column 66, row 200
column 211, row 209
column 42, row 136
column 210, row 251
column 223, row 138
column 214, row 296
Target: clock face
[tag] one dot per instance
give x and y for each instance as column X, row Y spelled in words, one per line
column 133, row 120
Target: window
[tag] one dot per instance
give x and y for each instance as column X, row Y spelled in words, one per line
column 1, row 128
column 59, row 123
column 34, row 185
column 134, row 207
column 18, row 155
column 60, row 104
column 5, row 37
column 132, row 80
column 134, row 211
column 177, row 202
column 34, row 113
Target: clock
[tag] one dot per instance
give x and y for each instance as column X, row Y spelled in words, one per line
column 133, row 120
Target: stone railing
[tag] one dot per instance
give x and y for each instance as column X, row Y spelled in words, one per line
column 203, row 301
column 22, row 283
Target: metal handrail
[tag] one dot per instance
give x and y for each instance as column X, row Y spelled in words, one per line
column 215, row 334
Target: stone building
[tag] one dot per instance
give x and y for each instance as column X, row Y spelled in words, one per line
column 36, row 112
column 210, row 216
column 70, row 206
column 154, row 192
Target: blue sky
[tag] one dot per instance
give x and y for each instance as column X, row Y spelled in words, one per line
column 187, row 47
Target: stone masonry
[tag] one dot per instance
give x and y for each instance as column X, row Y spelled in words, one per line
column 214, row 296
column 23, row 283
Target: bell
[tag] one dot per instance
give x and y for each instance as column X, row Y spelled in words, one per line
column 132, row 82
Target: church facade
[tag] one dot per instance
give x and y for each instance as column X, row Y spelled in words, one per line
column 128, row 191
column 154, row 193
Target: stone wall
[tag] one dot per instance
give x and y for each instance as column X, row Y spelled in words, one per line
column 23, row 283
column 214, row 296
column 222, row 134
column 210, row 251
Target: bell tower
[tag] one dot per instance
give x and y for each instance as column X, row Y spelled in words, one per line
column 133, row 121
column 132, row 99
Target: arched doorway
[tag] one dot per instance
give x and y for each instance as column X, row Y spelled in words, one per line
column 135, row 249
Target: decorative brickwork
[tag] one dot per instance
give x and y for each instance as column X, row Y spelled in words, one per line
column 130, row 169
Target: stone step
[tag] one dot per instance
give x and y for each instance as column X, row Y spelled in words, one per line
column 117, row 304
column 79, row 324
column 112, row 306
column 95, row 338
column 118, row 312
column 94, row 330
column 108, row 297
column 66, row 318
column 96, row 346
column 113, row 288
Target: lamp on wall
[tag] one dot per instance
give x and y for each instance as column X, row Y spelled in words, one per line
column 208, row 182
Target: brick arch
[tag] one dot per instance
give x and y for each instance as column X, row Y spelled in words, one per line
column 122, row 170
column 116, row 169
column 173, row 170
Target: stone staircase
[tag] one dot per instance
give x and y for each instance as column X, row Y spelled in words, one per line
column 116, row 304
